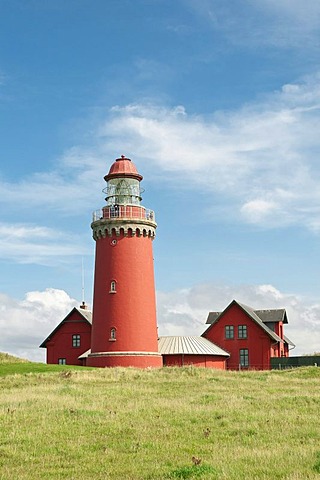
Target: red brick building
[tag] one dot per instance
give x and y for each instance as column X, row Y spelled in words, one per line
column 251, row 337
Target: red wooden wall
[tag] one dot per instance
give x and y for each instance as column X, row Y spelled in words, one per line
column 208, row 361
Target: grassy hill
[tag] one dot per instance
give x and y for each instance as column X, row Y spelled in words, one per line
column 10, row 365
column 74, row 423
column 5, row 358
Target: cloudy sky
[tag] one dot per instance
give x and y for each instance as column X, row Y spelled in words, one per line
column 218, row 105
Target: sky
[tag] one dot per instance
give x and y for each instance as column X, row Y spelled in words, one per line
column 218, row 105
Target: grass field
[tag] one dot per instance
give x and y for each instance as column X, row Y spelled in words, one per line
column 72, row 423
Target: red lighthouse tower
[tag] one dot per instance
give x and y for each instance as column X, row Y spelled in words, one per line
column 124, row 325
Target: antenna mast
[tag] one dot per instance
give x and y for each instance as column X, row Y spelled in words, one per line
column 82, row 283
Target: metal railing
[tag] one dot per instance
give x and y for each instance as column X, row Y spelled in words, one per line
column 125, row 212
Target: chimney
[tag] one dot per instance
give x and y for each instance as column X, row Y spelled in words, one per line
column 84, row 306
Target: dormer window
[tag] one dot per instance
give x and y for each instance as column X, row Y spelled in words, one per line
column 113, row 334
column 113, row 287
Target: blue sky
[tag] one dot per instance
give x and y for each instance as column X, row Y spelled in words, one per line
column 217, row 103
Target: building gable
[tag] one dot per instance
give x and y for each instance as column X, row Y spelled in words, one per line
column 214, row 317
column 70, row 338
column 74, row 316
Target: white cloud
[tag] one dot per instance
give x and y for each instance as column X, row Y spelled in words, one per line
column 25, row 324
column 25, row 243
column 257, row 211
column 261, row 160
column 67, row 189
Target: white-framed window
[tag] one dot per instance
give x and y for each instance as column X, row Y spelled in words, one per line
column 113, row 286
column 113, row 334
column 62, row 361
column 76, row 340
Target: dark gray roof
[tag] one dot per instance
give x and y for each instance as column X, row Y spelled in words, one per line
column 258, row 320
column 274, row 315
column 214, row 316
column 190, row 345
column 267, row 316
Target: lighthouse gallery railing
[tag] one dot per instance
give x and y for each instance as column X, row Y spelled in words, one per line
column 125, row 212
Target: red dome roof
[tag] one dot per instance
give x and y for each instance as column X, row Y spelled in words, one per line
column 123, row 167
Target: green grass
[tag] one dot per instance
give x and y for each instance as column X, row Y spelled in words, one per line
column 171, row 423
column 10, row 365
column 24, row 368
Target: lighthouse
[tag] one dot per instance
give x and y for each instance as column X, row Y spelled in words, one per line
column 124, row 324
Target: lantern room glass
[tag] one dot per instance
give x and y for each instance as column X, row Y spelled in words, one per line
column 123, row 191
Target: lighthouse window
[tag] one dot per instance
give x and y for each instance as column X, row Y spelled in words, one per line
column 113, row 334
column 76, row 340
column 113, row 287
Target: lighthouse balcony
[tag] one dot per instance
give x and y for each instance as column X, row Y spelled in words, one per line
column 124, row 212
